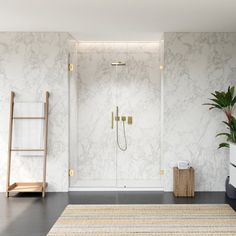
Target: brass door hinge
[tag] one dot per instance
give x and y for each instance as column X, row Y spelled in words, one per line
column 162, row 172
column 70, row 67
column 71, row 172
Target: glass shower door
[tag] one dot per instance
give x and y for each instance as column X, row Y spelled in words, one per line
column 138, row 95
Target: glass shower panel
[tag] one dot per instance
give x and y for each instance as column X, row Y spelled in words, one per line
column 95, row 162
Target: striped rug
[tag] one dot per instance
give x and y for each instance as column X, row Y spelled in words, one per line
column 146, row 220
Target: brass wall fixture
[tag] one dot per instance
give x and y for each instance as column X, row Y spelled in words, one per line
column 130, row 120
column 70, row 67
column 123, row 119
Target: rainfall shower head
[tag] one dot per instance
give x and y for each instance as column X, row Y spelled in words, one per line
column 119, row 63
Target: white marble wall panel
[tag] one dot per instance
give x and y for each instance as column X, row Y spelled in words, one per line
column 196, row 64
column 30, row 64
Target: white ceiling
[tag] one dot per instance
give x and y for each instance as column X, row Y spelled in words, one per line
column 110, row 20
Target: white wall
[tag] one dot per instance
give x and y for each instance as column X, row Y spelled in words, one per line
column 30, row 64
column 196, row 64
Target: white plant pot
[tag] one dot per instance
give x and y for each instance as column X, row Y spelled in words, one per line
column 232, row 168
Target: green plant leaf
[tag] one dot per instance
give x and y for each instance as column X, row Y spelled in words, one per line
column 223, row 145
column 224, row 134
column 218, row 102
column 225, row 122
column 233, row 101
column 213, row 106
column 225, row 101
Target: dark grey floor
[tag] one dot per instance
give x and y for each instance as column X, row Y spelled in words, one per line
column 30, row 215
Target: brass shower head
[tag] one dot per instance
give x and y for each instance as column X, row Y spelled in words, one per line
column 119, row 63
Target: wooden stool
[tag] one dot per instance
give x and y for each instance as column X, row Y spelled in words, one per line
column 183, row 182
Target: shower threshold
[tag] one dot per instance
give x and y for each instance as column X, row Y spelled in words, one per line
column 84, row 189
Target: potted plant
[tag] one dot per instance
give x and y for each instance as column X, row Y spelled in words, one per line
column 226, row 101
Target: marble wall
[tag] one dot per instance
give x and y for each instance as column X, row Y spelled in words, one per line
column 30, row 64
column 196, row 64
column 135, row 88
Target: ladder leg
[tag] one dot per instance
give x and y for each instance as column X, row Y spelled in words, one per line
column 43, row 192
column 45, row 144
column 10, row 144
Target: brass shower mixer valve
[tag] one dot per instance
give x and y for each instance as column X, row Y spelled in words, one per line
column 130, row 120
column 124, row 118
column 117, row 118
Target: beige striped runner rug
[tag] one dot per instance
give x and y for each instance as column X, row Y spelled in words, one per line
column 146, row 220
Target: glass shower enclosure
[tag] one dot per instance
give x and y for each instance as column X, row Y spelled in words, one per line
column 115, row 116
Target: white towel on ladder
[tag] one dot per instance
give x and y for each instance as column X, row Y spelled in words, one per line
column 28, row 133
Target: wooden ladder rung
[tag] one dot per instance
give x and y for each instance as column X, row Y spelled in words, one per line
column 27, row 150
column 28, row 118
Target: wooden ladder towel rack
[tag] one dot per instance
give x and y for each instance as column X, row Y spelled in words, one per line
column 27, row 186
